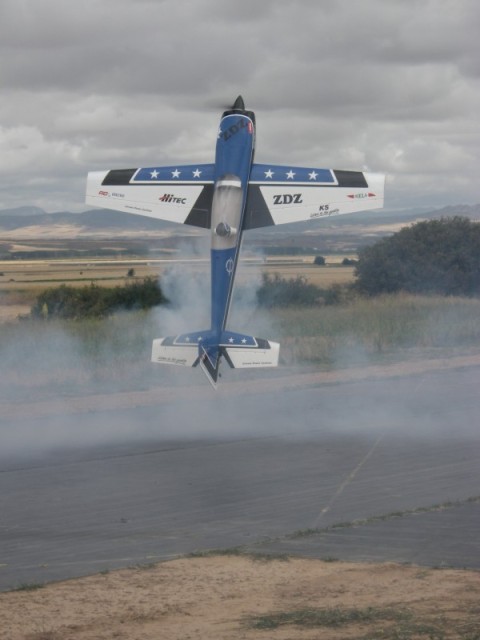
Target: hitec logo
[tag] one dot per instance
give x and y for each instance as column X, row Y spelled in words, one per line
column 169, row 197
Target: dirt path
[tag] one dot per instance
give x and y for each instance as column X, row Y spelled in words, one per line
column 238, row 597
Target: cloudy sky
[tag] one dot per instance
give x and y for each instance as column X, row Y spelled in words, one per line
column 385, row 85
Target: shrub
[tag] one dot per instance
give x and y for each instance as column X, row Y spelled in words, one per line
column 436, row 256
column 281, row 292
column 96, row 302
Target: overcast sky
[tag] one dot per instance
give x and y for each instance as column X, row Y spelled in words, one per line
column 386, row 85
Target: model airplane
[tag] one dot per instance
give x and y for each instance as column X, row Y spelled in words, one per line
column 228, row 197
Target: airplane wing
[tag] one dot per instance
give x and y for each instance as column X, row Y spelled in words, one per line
column 281, row 194
column 177, row 194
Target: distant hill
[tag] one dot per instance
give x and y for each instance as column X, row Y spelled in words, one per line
column 103, row 222
column 94, row 220
column 368, row 223
column 22, row 211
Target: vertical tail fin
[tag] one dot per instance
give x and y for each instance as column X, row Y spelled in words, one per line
column 210, row 362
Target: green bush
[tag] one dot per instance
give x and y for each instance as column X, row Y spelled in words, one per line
column 281, row 292
column 276, row 291
column 75, row 303
column 435, row 256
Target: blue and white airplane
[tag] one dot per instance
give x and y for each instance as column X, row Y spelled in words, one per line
column 230, row 196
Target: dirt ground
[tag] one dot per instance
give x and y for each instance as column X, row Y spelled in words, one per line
column 232, row 597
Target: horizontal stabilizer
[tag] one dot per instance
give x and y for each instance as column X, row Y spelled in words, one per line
column 243, row 351
column 166, row 351
column 264, row 355
column 205, row 348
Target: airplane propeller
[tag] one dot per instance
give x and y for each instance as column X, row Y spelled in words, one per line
column 223, row 105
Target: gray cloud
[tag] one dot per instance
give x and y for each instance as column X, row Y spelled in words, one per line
column 386, row 85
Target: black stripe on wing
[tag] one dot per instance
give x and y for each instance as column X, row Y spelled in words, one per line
column 351, row 179
column 200, row 214
column 256, row 211
column 119, row 176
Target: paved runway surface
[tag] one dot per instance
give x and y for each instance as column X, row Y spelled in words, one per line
column 85, row 493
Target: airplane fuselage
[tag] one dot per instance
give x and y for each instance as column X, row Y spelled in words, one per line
column 233, row 163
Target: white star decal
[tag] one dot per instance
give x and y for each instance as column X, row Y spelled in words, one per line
column 231, row 340
column 197, row 173
column 187, row 339
column 244, row 340
column 176, row 173
column 290, row 175
column 154, row 174
column 269, row 174
column 199, row 339
column 313, row 175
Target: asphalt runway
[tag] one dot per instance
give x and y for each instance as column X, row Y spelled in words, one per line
column 394, row 461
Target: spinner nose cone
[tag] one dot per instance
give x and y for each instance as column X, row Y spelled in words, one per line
column 239, row 104
column 238, row 108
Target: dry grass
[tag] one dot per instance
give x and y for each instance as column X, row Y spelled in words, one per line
column 224, row 598
column 99, row 354
column 372, row 327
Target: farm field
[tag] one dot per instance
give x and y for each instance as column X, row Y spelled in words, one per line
column 25, row 274
column 22, row 280
column 39, row 274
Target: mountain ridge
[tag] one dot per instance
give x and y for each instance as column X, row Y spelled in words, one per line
column 104, row 220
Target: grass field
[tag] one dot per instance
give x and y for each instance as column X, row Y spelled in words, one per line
column 378, row 328
column 34, row 274
column 117, row 350
column 57, row 357
column 39, row 274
